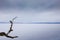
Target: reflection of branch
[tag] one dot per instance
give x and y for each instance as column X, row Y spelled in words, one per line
column 6, row 34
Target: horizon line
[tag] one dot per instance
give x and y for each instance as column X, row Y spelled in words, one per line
column 31, row 22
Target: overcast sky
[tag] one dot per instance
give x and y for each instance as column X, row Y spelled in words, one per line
column 30, row 10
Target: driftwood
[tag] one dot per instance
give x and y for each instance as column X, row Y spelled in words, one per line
column 6, row 34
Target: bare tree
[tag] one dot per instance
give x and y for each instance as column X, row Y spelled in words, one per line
column 6, row 34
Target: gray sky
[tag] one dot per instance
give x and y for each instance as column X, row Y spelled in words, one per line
column 30, row 10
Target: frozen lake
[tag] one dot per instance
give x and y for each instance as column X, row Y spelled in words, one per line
column 32, row 31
